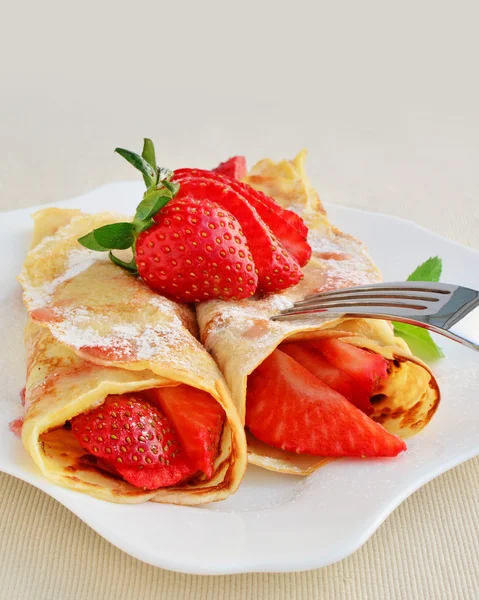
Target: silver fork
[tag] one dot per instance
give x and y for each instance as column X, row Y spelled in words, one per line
column 450, row 310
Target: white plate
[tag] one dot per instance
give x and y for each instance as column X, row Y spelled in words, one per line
column 274, row 522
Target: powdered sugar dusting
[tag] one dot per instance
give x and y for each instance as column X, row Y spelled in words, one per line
column 79, row 260
column 97, row 334
column 100, row 327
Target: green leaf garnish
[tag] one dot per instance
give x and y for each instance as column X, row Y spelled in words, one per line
column 90, row 242
column 419, row 339
column 148, row 172
column 129, row 266
column 149, row 155
column 153, row 200
column 429, row 271
column 164, row 173
column 117, row 236
column 171, row 186
column 160, row 190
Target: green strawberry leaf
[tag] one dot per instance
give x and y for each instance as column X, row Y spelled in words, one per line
column 171, row 186
column 164, row 173
column 115, row 236
column 417, row 338
column 429, row 271
column 160, row 190
column 152, row 202
column 149, row 155
column 142, row 225
column 129, row 266
column 90, row 242
column 149, row 174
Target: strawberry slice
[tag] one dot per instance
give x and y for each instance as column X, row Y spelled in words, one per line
column 310, row 358
column 234, row 167
column 286, row 225
column 277, row 268
column 257, row 197
column 197, row 418
column 289, row 408
column 135, row 440
column 366, row 368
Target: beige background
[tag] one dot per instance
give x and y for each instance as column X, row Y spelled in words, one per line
column 383, row 94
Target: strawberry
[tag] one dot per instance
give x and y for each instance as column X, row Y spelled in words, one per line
column 196, row 251
column 310, row 358
column 135, row 440
column 277, row 269
column 183, row 248
column 286, row 225
column 197, row 418
column 234, row 167
column 289, row 408
column 366, row 368
column 210, row 242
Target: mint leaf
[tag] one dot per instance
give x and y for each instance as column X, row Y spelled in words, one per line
column 117, row 235
column 419, row 340
column 429, row 271
column 149, row 174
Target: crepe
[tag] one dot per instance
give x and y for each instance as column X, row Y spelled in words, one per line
column 240, row 335
column 93, row 330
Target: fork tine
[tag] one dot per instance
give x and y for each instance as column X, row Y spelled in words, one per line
column 366, row 296
column 415, row 287
column 411, row 305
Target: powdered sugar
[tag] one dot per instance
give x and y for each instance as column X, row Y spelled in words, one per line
column 79, row 260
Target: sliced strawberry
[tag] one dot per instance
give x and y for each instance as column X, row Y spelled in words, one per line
column 134, row 439
column 366, row 368
column 277, row 268
column 256, row 197
column 289, row 408
column 234, row 167
column 311, row 359
column 286, row 225
column 197, row 418
column 288, row 215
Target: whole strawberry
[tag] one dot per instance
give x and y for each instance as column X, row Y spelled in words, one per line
column 196, row 251
column 186, row 249
column 199, row 235
column 134, row 439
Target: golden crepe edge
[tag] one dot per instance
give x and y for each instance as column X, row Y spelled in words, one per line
column 240, row 335
column 140, row 340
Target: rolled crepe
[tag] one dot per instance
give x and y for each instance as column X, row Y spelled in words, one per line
column 94, row 330
column 240, row 335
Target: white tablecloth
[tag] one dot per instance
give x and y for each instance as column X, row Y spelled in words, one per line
column 385, row 99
